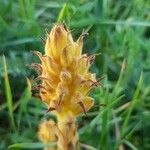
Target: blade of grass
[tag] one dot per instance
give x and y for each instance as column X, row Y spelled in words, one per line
column 122, row 107
column 126, row 23
column 62, row 13
column 31, row 145
column 130, row 109
column 99, row 8
column 88, row 147
column 113, row 103
column 133, row 103
column 8, row 95
column 20, row 41
column 129, row 144
column 96, row 21
column 23, row 105
column 104, row 134
column 133, row 130
column 114, row 94
column 116, row 90
column 117, row 131
column 22, row 9
column 4, row 24
column 3, row 106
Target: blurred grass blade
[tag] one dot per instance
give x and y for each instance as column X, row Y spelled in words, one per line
column 3, row 106
column 20, row 41
column 23, row 105
column 88, row 147
column 96, row 21
column 3, row 23
column 126, row 23
column 105, row 116
column 116, row 90
column 113, row 103
column 8, row 95
column 22, row 9
column 130, row 133
column 129, row 144
column 133, row 103
column 31, row 145
column 99, row 8
column 62, row 13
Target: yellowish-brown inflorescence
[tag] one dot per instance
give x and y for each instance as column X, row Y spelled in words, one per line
column 65, row 85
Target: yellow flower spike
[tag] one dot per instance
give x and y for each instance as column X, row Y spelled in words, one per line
column 62, row 88
column 65, row 84
column 47, row 133
column 79, row 45
column 83, row 65
column 65, row 77
column 51, row 65
column 48, row 49
column 59, row 39
column 77, row 97
column 66, row 56
column 74, row 65
column 88, row 102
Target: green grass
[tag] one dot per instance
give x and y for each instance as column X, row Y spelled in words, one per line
column 31, row 145
column 8, row 95
column 119, row 30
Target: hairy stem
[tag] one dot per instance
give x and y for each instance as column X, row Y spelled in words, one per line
column 68, row 137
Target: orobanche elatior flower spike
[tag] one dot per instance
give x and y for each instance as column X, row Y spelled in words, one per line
column 64, row 87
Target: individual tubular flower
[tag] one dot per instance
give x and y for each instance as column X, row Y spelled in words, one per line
column 65, row 82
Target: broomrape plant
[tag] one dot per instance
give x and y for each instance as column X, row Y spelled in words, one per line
column 65, row 85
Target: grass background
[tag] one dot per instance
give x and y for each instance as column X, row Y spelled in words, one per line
column 119, row 30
